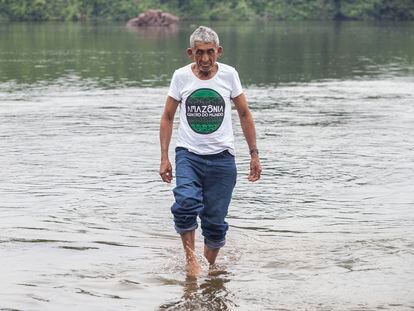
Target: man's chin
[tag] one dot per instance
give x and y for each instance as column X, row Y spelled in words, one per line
column 205, row 72
column 204, row 69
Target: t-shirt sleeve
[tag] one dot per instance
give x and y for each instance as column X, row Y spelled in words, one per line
column 174, row 90
column 236, row 85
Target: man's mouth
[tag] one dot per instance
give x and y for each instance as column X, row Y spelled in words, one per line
column 205, row 68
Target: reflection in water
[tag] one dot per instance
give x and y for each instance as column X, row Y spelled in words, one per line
column 112, row 56
column 156, row 33
column 210, row 294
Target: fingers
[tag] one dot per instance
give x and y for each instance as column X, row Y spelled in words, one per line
column 255, row 172
column 166, row 176
column 254, row 177
column 166, row 173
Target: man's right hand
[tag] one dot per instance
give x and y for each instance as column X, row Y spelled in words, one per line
column 166, row 127
column 166, row 171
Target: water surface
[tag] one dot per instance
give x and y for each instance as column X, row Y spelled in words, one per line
column 85, row 220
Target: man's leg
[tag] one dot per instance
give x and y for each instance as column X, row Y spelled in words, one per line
column 218, row 187
column 188, row 203
column 188, row 239
column 211, row 254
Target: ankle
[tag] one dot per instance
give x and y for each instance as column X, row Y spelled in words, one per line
column 210, row 255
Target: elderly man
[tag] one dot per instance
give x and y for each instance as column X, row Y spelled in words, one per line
column 205, row 165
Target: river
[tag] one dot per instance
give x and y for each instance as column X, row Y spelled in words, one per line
column 85, row 220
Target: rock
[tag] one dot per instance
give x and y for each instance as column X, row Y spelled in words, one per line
column 153, row 18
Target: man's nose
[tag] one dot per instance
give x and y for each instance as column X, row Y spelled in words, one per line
column 205, row 57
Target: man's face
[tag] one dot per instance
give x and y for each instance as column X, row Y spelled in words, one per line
column 204, row 55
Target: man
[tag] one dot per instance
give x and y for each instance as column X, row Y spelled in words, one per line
column 205, row 165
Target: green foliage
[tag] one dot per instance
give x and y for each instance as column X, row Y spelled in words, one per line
column 378, row 9
column 242, row 11
column 394, row 9
column 221, row 11
column 38, row 10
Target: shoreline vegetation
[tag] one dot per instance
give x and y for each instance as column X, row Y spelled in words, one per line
column 242, row 10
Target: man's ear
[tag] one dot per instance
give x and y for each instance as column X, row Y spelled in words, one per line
column 219, row 51
column 190, row 53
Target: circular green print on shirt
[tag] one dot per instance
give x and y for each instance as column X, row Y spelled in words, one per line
column 204, row 111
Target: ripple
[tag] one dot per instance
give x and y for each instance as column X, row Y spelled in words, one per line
column 332, row 213
column 22, row 240
column 78, row 248
column 110, row 243
column 96, row 294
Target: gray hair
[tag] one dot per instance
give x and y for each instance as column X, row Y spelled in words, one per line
column 205, row 35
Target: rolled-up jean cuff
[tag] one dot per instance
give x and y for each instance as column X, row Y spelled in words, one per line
column 182, row 230
column 214, row 244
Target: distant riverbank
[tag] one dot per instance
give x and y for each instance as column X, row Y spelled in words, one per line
column 122, row 10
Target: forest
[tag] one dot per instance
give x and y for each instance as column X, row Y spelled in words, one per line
column 121, row 10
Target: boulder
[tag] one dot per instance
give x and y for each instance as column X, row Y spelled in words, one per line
column 152, row 18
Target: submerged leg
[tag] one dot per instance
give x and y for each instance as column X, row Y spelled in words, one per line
column 211, row 254
column 188, row 239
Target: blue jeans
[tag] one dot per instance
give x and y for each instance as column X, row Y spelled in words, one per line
column 204, row 187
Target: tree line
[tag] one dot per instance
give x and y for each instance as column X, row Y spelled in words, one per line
column 78, row 10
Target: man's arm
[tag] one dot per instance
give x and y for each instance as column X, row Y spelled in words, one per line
column 247, row 124
column 166, row 127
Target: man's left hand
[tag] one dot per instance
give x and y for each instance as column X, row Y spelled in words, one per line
column 255, row 169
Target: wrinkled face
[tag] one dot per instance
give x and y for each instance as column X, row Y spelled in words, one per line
column 204, row 55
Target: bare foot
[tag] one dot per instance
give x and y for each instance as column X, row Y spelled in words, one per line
column 211, row 254
column 193, row 268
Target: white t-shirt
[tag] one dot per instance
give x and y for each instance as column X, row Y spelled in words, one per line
column 205, row 109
